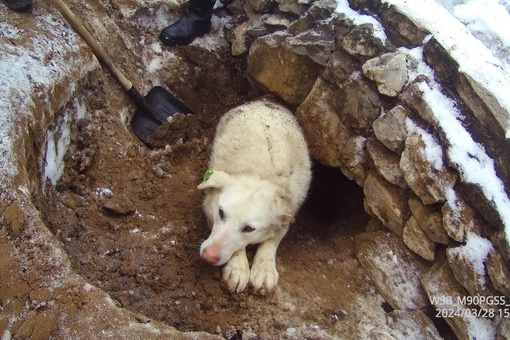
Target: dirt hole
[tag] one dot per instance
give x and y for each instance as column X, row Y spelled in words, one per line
column 130, row 219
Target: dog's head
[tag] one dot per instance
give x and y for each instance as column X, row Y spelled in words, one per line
column 242, row 210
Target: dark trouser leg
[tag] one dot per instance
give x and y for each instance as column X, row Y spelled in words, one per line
column 18, row 5
column 195, row 22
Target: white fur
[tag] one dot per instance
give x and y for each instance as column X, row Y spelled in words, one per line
column 261, row 174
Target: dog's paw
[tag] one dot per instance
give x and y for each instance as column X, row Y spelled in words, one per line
column 264, row 276
column 236, row 274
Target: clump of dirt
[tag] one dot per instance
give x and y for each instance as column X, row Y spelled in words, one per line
column 129, row 216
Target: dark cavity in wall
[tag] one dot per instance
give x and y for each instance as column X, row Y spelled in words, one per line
column 334, row 203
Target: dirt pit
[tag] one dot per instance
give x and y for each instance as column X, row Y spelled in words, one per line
column 129, row 217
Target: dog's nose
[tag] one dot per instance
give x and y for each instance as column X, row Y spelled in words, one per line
column 210, row 255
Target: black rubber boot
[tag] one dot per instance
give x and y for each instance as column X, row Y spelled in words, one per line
column 18, row 5
column 195, row 22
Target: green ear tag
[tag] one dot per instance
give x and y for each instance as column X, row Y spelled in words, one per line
column 208, row 173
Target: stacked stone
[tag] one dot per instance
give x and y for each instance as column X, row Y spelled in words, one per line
column 362, row 113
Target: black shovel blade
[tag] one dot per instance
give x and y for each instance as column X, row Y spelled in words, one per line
column 158, row 107
column 143, row 125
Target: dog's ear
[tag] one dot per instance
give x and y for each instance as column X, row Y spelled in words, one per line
column 282, row 201
column 214, row 179
column 287, row 219
column 284, row 222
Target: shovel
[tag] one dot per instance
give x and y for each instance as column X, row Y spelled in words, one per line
column 153, row 109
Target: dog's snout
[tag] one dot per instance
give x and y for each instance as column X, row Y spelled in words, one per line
column 210, row 255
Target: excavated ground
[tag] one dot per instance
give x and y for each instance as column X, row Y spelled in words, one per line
column 130, row 218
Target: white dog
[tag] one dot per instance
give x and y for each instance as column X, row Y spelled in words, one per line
column 258, row 178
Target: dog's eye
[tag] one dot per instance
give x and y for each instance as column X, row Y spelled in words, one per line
column 248, row 229
column 222, row 214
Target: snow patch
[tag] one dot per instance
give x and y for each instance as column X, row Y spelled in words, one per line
column 359, row 152
column 360, row 19
column 417, row 65
column 9, row 31
column 88, row 287
column 468, row 156
column 488, row 21
column 475, row 251
column 58, row 139
column 456, row 207
column 433, row 150
column 465, row 154
column 407, row 290
column 103, row 192
column 475, row 59
column 7, row 335
column 31, row 73
column 155, row 58
column 214, row 42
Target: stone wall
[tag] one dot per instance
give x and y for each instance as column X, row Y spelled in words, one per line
column 375, row 108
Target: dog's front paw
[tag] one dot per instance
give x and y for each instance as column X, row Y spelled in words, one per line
column 236, row 274
column 264, row 276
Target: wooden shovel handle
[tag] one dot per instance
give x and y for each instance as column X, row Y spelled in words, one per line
column 98, row 51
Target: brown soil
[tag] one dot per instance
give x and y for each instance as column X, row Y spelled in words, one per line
column 129, row 216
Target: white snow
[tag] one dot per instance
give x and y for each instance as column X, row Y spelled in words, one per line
column 7, row 335
column 360, row 19
column 57, row 141
column 457, row 207
column 88, row 287
column 468, row 156
column 475, row 251
column 27, row 74
column 433, row 151
column 488, row 21
column 408, row 290
column 475, row 59
column 359, row 154
column 480, row 328
column 9, row 31
column 417, row 66
column 103, row 192
column 213, row 42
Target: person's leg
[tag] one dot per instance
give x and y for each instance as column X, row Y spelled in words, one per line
column 195, row 22
column 18, row 5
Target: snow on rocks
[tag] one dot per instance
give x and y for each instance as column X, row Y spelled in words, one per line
column 359, row 19
column 434, row 118
column 412, row 325
column 468, row 265
column 475, row 59
column 395, row 271
column 423, row 167
column 448, row 297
